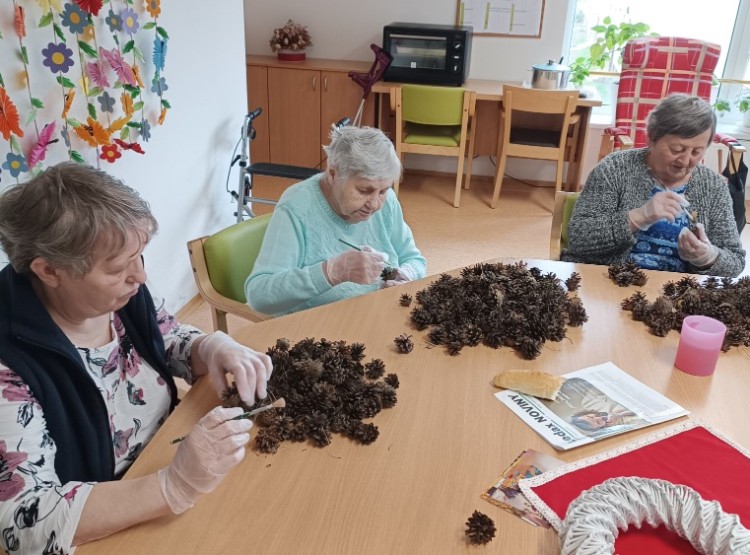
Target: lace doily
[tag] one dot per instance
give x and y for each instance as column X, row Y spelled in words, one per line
column 595, row 517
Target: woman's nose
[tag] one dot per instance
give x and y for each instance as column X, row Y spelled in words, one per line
column 138, row 274
column 374, row 203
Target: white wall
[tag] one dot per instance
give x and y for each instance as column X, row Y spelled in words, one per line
column 344, row 29
column 183, row 171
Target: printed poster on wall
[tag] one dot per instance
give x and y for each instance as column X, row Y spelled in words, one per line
column 519, row 18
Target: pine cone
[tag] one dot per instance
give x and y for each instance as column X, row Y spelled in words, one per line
column 404, row 344
column 392, row 380
column 405, row 299
column 374, row 369
column 389, row 274
column 480, row 528
column 573, row 282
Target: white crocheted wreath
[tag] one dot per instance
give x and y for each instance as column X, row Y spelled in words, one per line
column 594, row 517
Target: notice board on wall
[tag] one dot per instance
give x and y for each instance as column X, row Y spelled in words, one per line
column 514, row 18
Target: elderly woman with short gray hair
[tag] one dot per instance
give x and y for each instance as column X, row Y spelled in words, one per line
column 331, row 236
column 658, row 206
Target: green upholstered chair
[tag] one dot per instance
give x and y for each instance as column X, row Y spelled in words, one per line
column 436, row 120
column 221, row 263
column 563, row 210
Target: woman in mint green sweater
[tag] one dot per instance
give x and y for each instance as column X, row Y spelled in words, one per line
column 306, row 259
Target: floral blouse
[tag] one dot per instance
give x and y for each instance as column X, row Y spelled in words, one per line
column 38, row 514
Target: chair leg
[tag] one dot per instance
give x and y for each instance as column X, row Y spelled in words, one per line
column 459, row 178
column 219, row 318
column 498, row 179
column 559, row 174
column 467, row 171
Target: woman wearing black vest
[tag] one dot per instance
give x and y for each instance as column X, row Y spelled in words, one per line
column 87, row 365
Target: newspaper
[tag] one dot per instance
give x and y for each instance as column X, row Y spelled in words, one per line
column 593, row 403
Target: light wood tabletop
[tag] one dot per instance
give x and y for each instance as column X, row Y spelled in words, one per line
column 445, row 442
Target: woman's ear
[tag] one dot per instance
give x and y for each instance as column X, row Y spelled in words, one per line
column 48, row 274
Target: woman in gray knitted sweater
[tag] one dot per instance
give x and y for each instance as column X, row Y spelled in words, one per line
column 657, row 205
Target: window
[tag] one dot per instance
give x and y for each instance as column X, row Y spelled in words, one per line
column 721, row 22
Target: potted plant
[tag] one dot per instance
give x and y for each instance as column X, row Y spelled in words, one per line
column 741, row 101
column 606, row 51
column 290, row 41
column 743, row 105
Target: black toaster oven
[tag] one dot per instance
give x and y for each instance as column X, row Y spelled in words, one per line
column 430, row 54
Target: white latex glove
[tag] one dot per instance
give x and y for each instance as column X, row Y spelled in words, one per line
column 403, row 275
column 251, row 369
column 662, row 206
column 696, row 248
column 362, row 267
column 214, row 446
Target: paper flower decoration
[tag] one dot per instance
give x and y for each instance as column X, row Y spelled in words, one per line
column 110, row 153
column 91, row 6
column 39, row 151
column 153, row 7
column 74, row 18
column 129, row 21
column 114, row 21
column 58, row 57
column 105, row 90
column 15, row 164
column 9, row 121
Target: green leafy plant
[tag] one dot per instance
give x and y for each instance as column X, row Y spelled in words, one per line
column 741, row 101
column 606, row 52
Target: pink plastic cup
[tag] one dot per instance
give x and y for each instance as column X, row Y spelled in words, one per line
column 700, row 344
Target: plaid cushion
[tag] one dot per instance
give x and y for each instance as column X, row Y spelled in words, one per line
column 655, row 67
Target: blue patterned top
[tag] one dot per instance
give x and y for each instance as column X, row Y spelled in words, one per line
column 656, row 247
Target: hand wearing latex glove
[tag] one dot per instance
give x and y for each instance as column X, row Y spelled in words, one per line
column 696, row 248
column 251, row 369
column 362, row 267
column 661, row 206
column 403, row 275
column 214, row 446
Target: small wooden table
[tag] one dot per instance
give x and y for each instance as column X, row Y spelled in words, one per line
column 447, row 439
column 489, row 99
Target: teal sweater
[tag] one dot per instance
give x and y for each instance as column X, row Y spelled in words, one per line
column 304, row 232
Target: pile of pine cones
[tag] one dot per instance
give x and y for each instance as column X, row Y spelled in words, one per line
column 627, row 273
column 498, row 304
column 327, row 389
column 723, row 299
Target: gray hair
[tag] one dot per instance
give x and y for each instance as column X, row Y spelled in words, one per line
column 63, row 212
column 363, row 152
column 681, row 115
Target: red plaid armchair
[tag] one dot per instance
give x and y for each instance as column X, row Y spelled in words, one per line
column 653, row 68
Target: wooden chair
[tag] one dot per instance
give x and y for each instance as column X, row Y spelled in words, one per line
column 563, row 210
column 221, row 264
column 519, row 141
column 652, row 69
column 439, row 121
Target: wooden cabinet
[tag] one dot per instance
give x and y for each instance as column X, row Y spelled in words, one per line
column 301, row 100
column 257, row 97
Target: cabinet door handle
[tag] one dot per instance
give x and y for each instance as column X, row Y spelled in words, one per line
column 325, row 83
column 315, row 82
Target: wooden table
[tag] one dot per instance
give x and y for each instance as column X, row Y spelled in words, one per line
column 489, row 98
column 447, row 439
